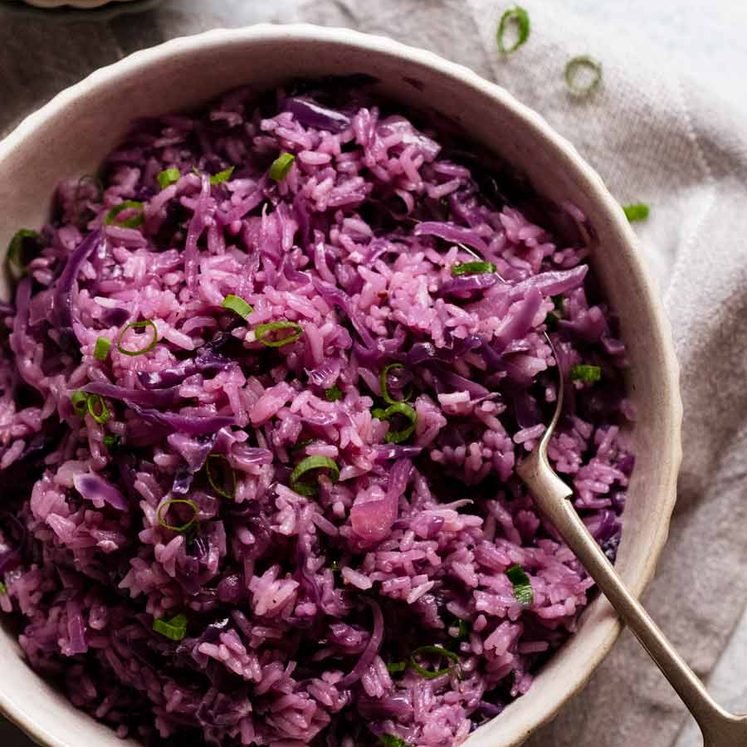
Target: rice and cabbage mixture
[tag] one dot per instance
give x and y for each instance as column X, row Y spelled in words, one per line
column 264, row 385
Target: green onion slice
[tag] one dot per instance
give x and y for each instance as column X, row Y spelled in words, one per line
column 237, row 305
column 167, row 177
column 472, row 268
column 583, row 74
column 395, row 667
column 305, row 469
column 384, row 384
column 221, row 476
column 267, row 333
column 398, row 408
column 636, row 211
column 111, row 441
column 101, row 348
column 333, row 394
column 390, row 740
column 431, row 674
column 281, row 166
column 112, row 217
column 15, row 256
column 517, row 18
column 79, row 401
column 166, row 506
column 462, row 629
column 587, row 374
column 222, row 176
column 522, row 587
column 174, row 629
column 147, row 324
column 97, row 408
column 3, row 588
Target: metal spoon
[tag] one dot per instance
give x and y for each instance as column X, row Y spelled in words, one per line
column 551, row 495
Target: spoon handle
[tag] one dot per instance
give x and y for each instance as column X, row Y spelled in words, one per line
column 551, row 495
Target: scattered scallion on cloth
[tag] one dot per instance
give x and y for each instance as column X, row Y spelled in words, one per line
column 333, row 394
column 176, row 503
column 101, row 348
column 281, row 166
column 267, row 333
column 15, row 256
column 384, row 384
column 300, row 479
column 398, row 408
column 472, row 268
column 514, row 19
column 433, row 651
column 583, row 74
column 523, row 591
column 222, row 176
column 167, row 177
column 135, row 220
column 221, row 476
column 146, row 324
column 238, row 305
column 174, row 628
column 636, row 211
column 586, row 373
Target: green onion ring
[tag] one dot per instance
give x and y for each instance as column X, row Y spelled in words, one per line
column 637, row 211
column 180, row 528
column 222, row 176
column 174, row 629
column 146, row 324
column 578, row 65
column 281, row 166
column 263, row 333
column 101, row 348
column 14, row 256
column 472, row 268
column 398, row 408
column 112, row 217
column 384, row 385
column 97, row 408
column 522, row 586
column 167, row 177
column 586, row 373
column 79, row 401
column 312, row 464
column 430, row 674
column 516, row 15
column 215, row 481
column 238, row 305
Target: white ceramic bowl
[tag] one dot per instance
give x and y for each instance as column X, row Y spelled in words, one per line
column 82, row 4
column 72, row 133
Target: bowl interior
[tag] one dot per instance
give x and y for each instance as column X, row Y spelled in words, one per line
column 71, row 135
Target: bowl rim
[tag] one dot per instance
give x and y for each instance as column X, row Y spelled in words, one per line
column 610, row 626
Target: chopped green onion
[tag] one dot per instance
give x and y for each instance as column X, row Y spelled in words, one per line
column 237, row 305
column 334, row 566
column 223, row 483
column 174, row 629
column 112, row 217
column 97, row 408
column 636, row 211
column 164, row 508
column 167, row 177
column 281, row 166
column 462, row 629
column 111, row 441
column 390, row 740
column 522, row 587
column 333, row 394
column 384, row 384
column 146, row 324
column 3, row 588
column 79, row 401
column 472, row 268
column 395, row 667
column 101, row 348
column 514, row 17
column 583, row 74
column 398, row 408
column 585, row 373
column 15, row 253
column 222, row 176
column 431, row 674
column 265, row 333
column 309, row 465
